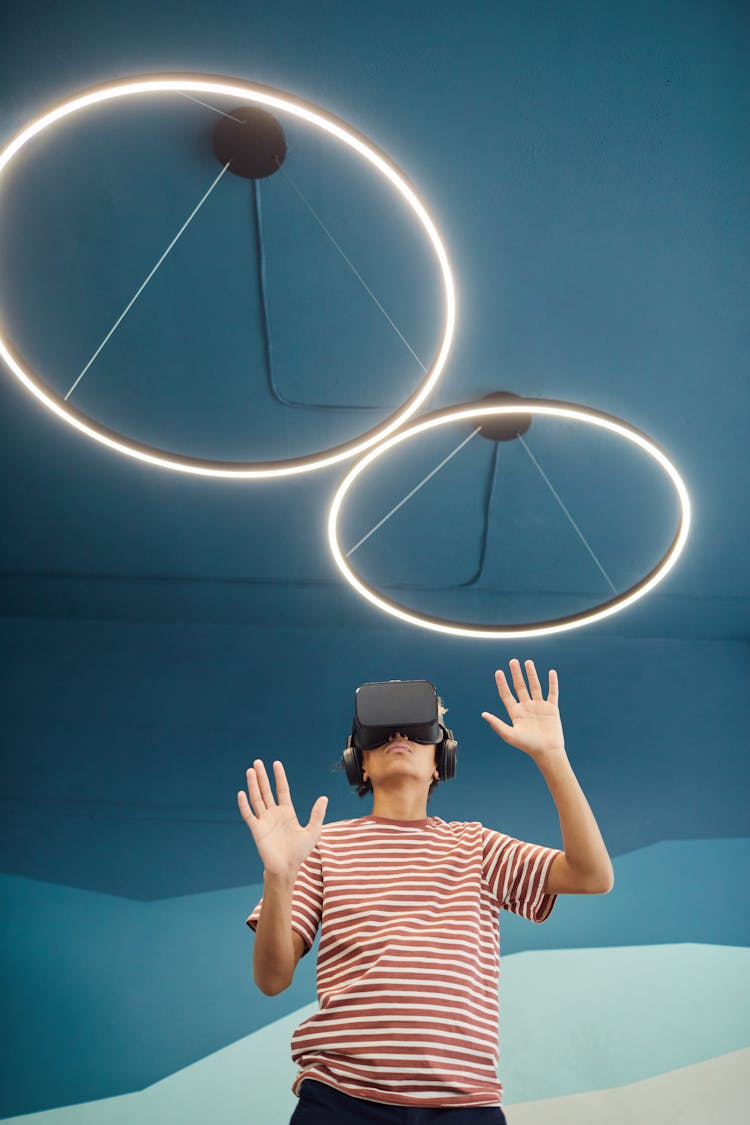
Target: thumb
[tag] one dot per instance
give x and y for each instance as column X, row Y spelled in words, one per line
column 503, row 729
column 317, row 816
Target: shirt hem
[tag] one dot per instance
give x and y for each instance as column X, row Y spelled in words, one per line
column 439, row 1102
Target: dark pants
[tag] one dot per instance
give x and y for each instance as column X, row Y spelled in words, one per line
column 320, row 1104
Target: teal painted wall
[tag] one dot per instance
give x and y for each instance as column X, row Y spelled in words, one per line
column 128, row 872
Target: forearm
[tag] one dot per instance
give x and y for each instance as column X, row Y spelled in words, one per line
column 583, row 844
column 273, row 950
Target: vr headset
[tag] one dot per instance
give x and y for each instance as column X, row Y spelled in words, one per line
column 407, row 706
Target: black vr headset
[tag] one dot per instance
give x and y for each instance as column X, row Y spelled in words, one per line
column 407, row 706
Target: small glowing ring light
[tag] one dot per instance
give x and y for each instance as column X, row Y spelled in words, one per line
column 273, row 99
column 468, row 413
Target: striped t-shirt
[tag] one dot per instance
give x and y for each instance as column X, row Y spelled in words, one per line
column 409, row 956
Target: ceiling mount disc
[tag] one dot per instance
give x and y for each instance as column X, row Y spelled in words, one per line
column 503, row 427
column 251, row 141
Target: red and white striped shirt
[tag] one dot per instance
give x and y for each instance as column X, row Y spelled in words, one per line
column 409, row 956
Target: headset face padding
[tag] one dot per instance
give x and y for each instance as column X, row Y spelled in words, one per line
column 446, row 753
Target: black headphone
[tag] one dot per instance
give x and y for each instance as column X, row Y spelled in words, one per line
column 446, row 753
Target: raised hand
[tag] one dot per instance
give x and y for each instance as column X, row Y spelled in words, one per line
column 536, row 727
column 282, row 842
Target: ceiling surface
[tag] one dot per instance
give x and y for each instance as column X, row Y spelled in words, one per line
column 587, row 168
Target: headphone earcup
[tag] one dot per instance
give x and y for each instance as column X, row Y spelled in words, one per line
column 445, row 756
column 445, row 760
column 352, row 764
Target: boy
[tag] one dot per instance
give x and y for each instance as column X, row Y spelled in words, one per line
column 409, row 956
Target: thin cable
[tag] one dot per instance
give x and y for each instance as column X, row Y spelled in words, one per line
column 260, row 242
column 323, row 227
column 127, row 309
column 416, row 489
column 356, row 273
column 266, row 324
column 213, row 108
column 489, row 496
column 567, row 513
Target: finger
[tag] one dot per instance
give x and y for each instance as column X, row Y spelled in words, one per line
column 504, row 691
column 264, row 784
column 498, row 725
column 317, row 816
column 259, row 805
column 282, row 785
column 245, row 810
column 554, row 693
column 534, row 686
column 519, row 682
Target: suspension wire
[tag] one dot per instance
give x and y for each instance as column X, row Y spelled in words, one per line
column 567, row 513
column 351, row 266
column 129, row 306
column 212, row 108
column 413, row 491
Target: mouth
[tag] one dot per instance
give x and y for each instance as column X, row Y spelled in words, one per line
column 399, row 748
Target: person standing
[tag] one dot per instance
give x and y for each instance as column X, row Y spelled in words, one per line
column 409, row 907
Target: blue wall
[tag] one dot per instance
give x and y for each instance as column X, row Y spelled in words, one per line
column 128, row 872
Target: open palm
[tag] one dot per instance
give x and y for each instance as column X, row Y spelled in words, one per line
column 535, row 725
column 281, row 840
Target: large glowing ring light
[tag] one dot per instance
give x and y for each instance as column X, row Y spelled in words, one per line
column 549, row 408
column 272, row 99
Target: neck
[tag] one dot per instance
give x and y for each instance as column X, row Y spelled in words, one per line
column 400, row 805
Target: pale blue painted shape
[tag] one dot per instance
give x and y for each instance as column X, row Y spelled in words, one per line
column 576, row 1020
column 587, row 1019
column 146, row 989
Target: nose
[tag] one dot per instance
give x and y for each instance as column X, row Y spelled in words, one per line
column 396, row 736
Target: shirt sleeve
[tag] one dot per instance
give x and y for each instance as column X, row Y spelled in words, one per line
column 515, row 873
column 307, row 900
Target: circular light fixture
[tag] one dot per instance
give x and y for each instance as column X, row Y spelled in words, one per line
column 275, row 100
column 545, row 407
